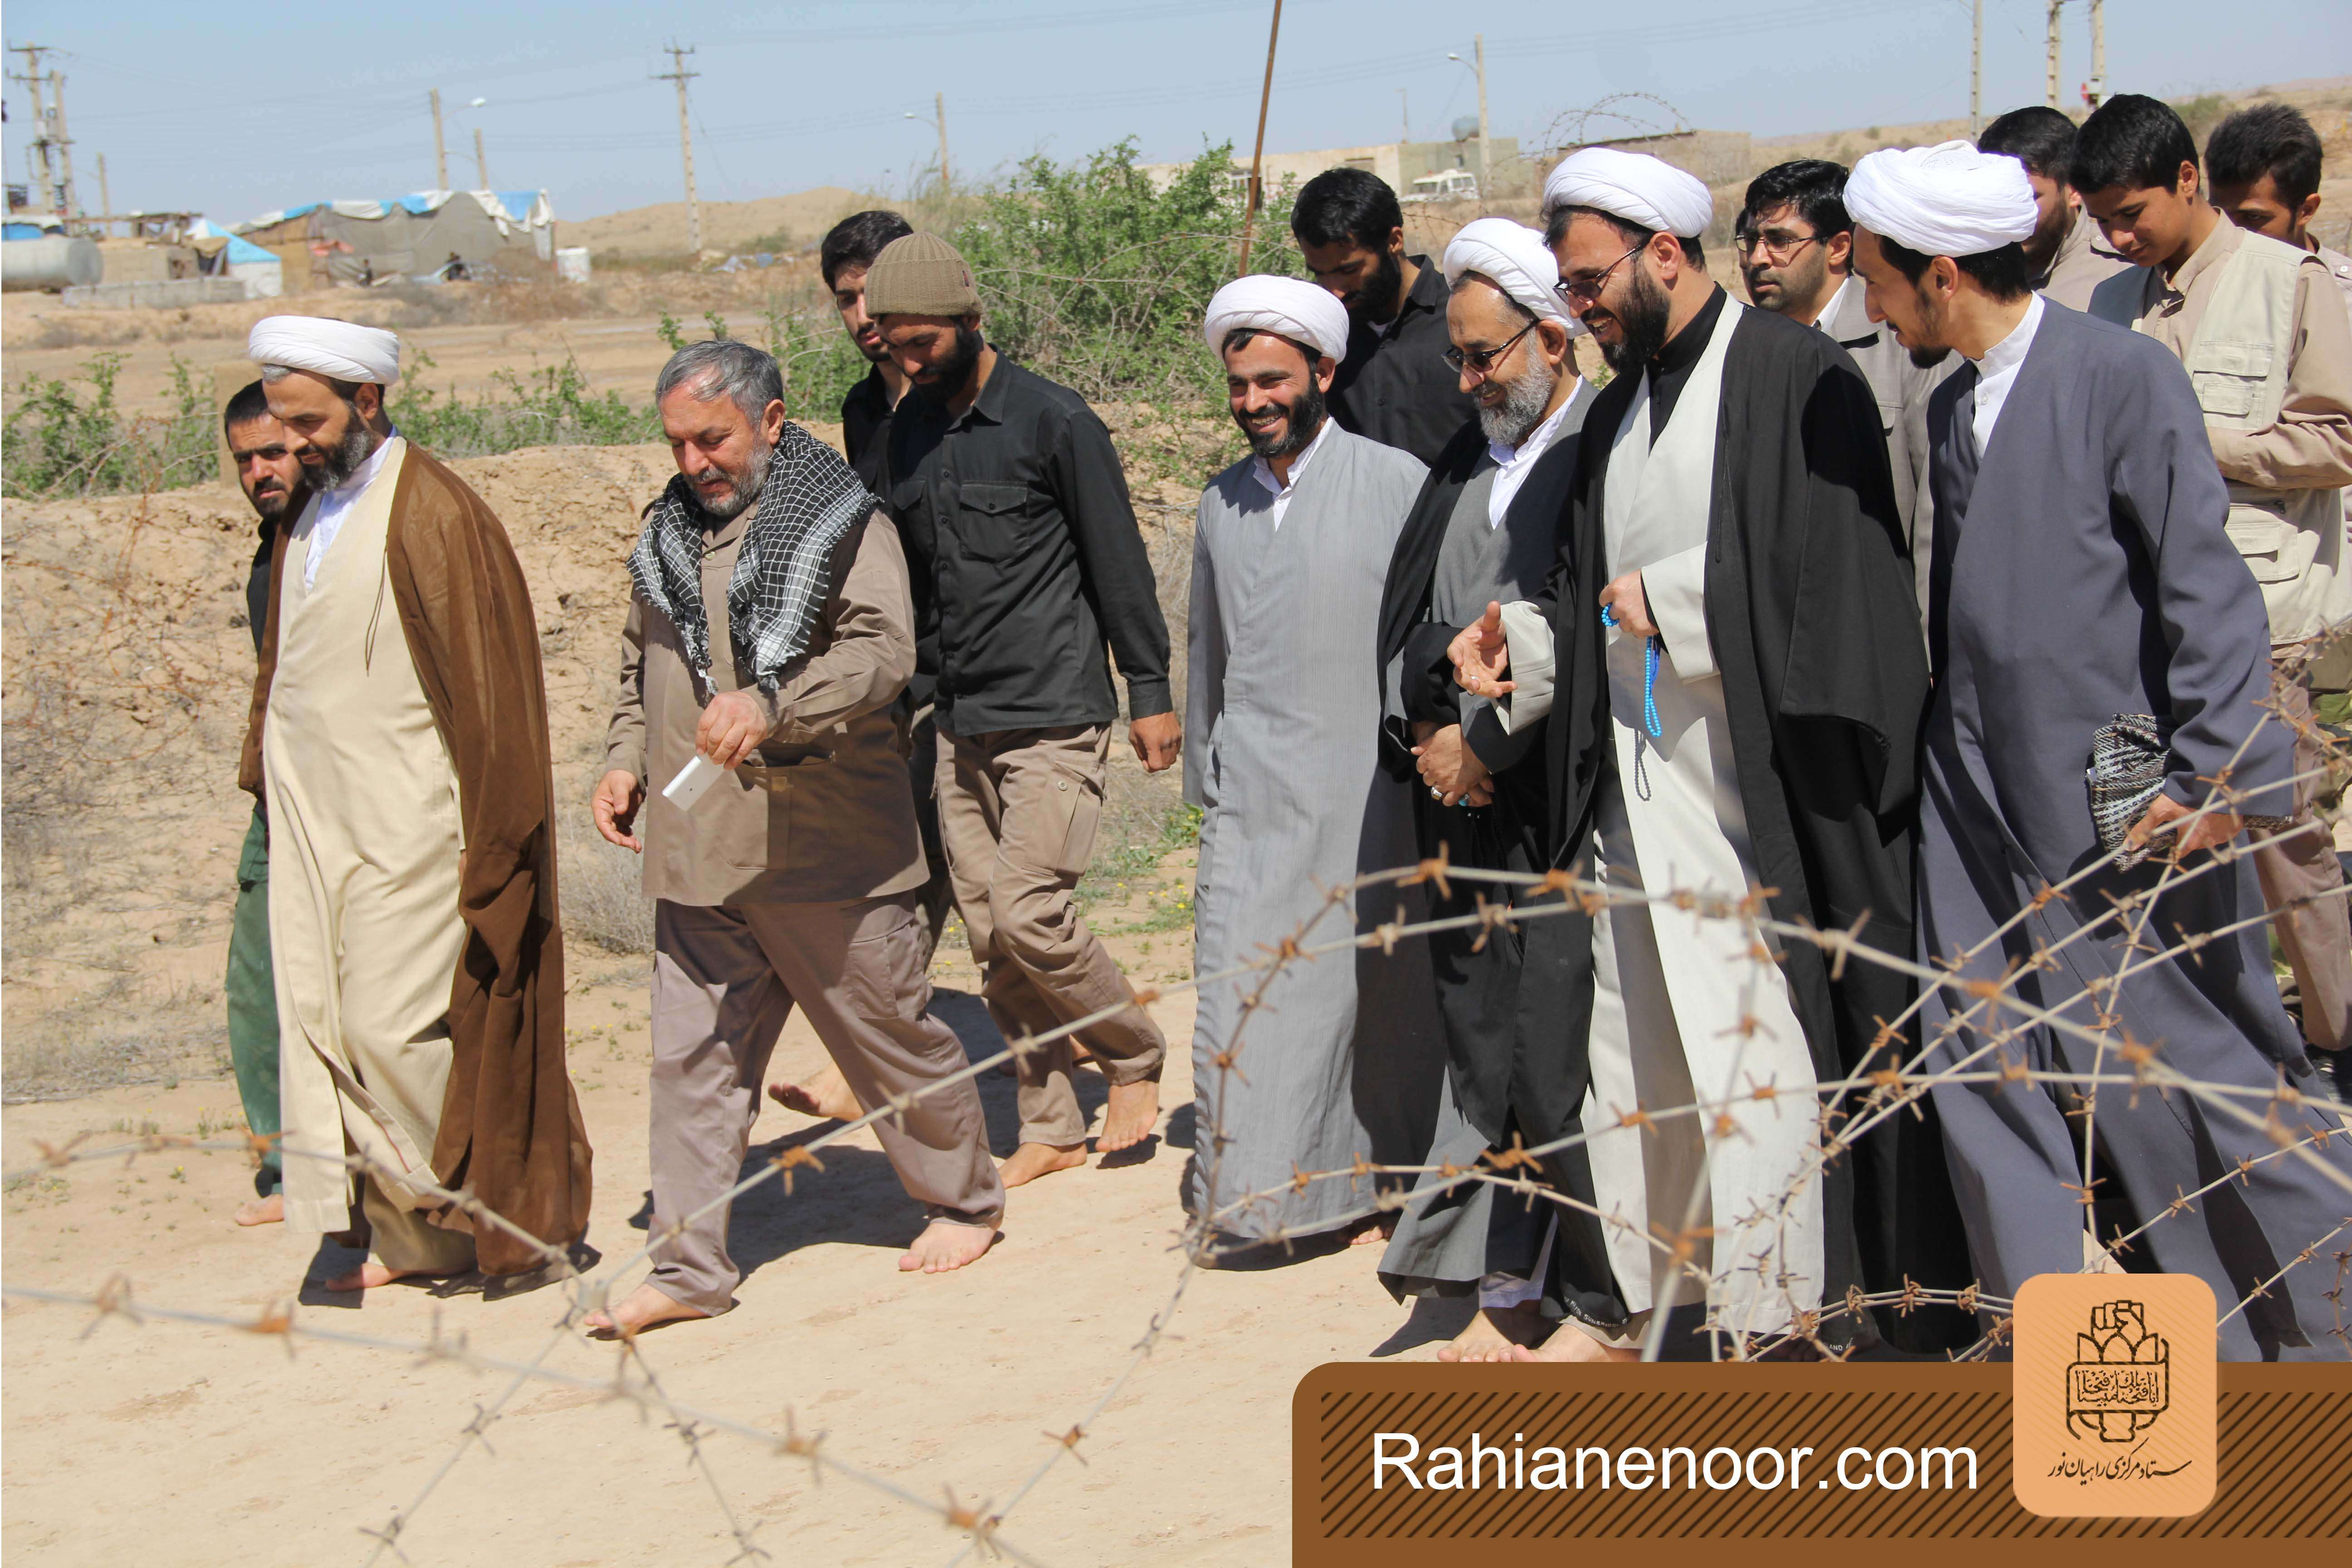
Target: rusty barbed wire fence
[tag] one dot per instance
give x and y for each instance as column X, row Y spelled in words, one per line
column 1777, row 1316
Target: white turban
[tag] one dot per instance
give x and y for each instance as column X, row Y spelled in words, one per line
column 1647, row 192
column 1951, row 200
column 1288, row 306
column 342, row 349
column 1513, row 257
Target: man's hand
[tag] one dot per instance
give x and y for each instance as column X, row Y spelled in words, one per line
column 1449, row 767
column 1482, row 656
column 618, row 796
column 1157, row 739
column 2209, row 831
column 731, row 729
column 1625, row 600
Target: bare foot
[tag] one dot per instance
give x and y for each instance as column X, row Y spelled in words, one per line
column 1128, row 1119
column 270, row 1210
column 945, row 1244
column 646, row 1306
column 370, row 1276
column 826, row 1095
column 1379, row 1229
column 1495, row 1333
column 1032, row 1161
column 1571, row 1343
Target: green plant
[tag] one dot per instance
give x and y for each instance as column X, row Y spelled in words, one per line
column 819, row 361
column 670, row 331
column 716, row 323
column 551, row 406
column 56, row 443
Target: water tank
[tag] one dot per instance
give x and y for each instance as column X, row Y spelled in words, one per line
column 1465, row 128
column 54, row 262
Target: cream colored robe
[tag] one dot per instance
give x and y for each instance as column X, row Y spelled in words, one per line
column 363, row 915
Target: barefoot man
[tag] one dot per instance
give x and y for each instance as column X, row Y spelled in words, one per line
column 1345, row 1062
column 271, row 477
column 1015, row 512
column 400, row 722
column 770, row 633
column 1721, row 723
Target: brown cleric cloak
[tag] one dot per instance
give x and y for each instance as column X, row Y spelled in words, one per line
column 511, row 1131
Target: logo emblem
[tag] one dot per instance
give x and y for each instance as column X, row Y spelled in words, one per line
column 2121, row 1379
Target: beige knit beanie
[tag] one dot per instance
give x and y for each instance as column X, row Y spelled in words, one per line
column 919, row 274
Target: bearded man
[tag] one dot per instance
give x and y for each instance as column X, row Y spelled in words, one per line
column 2086, row 574
column 770, row 634
column 399, row 733
column 1729, row 655
column 1344, row 1061
column 2066, row 255
column 270, row 475
column 1486, row 527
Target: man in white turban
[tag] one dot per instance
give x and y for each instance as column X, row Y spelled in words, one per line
column 1486, row 527
column 1728, row 653
column 2084, row 576
column 1343, row 1061
column 399, row 741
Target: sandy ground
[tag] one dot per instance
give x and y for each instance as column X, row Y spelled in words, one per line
column 245, row 1456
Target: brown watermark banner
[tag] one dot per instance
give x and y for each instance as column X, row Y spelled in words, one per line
column 1390, row 1460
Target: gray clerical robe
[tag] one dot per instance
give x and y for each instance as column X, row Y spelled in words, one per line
column 1344, row 1060
column 2082, row 572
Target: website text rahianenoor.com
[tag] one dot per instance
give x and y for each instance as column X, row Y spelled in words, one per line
column 1399, row 1460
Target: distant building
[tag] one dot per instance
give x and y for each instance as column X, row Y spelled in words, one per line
column 1400, row 163
column 365, row 242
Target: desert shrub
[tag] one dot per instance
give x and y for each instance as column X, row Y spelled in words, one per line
column 604, row 897
column 56, row 443
column 551, row 406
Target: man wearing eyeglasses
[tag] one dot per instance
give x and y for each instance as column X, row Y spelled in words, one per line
column 1485, row 528
column 1728, row 653
column 1795, row 245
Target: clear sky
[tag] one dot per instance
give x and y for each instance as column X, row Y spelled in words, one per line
column 194, row 110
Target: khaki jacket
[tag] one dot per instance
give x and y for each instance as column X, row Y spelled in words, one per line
column 826, row 816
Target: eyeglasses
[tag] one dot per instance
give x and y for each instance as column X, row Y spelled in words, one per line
column 1483, row 360
column 1589, row 289
column 1777, row 246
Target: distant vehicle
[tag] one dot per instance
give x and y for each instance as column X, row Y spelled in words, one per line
column 1453, row 186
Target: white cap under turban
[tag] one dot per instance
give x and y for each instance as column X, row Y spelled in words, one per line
column 1647, row 192
column 1951, row 200
column 1513, row 257
column 1286, row 307
column 342, row 349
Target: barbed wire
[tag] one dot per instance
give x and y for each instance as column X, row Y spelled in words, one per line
column 1773, row 1317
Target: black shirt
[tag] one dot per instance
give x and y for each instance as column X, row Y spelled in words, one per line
column 865, row 429
column 1019, row 532
column 1396, row 388
column 256, row 585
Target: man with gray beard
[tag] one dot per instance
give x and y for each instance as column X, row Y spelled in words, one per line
column 770, row 632
column 1485, row 529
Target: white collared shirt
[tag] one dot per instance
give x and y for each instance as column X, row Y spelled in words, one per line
column 335, row 505
column 1830, row 305
column 1997, row 373
column 1513, row 463
column 1283, row 492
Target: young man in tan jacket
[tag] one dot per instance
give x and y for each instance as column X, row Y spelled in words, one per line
column 2268, row 347
column 770, row 632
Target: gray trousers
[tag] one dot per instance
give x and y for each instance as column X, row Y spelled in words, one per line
column 725, row 979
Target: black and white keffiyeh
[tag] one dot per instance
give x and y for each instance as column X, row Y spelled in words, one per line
column 782, row 570
column 2129, row 759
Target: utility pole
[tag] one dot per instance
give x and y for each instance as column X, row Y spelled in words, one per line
column 2050, row 83
column 1404, row 118
column 1486, row 168
column 2098, row 88
column 105, row 199
column 1257, row 154
column 681, row 76
column 72, row 205
column 939, row 103
column 481, row 165
column 1975, row 74
column 37, row 152
column 440, row 148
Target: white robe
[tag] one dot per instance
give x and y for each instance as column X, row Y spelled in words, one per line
column 1684, row 1012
